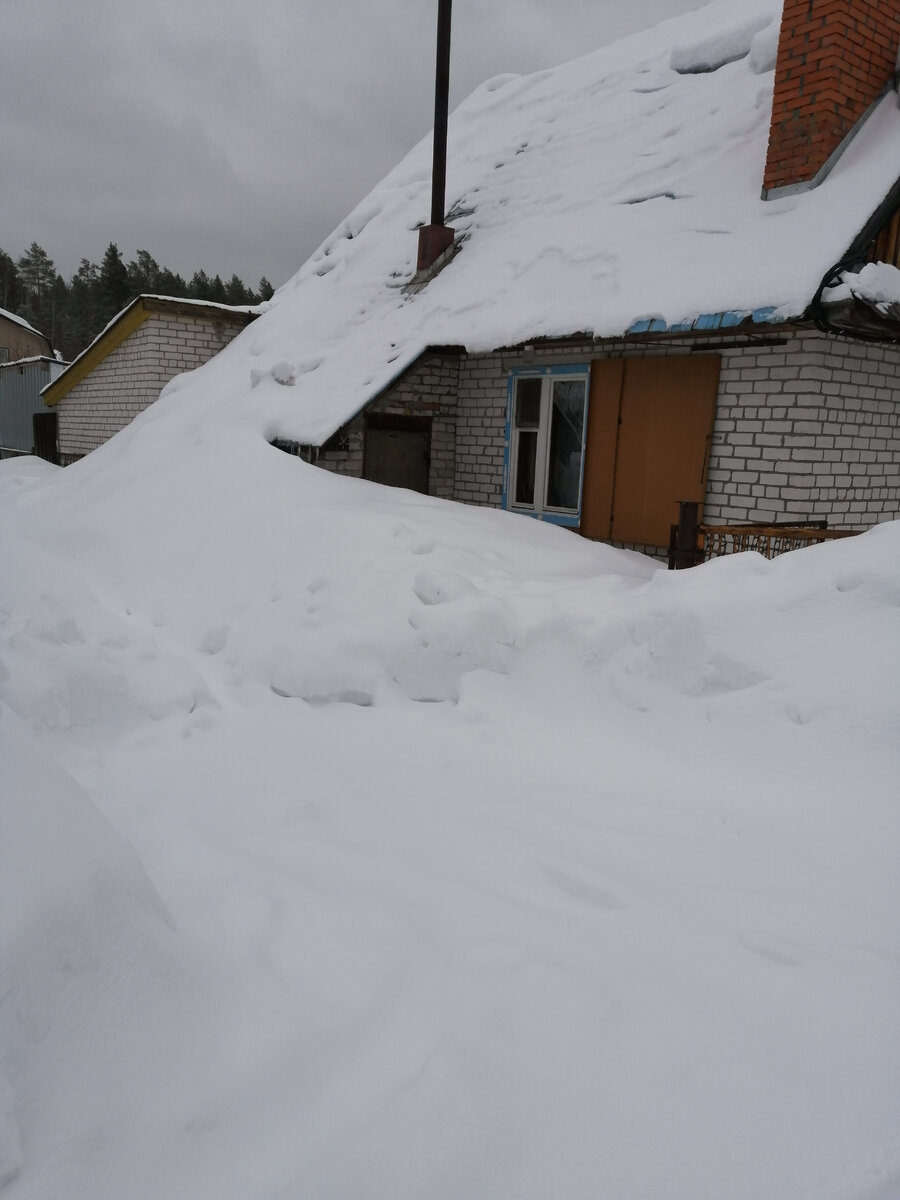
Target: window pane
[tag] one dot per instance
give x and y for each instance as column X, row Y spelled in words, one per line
column 566, row 430
column 526, row 456
column 528, row 403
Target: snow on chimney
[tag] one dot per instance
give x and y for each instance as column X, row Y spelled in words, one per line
column 835, row 58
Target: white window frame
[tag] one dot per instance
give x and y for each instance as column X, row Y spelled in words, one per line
column 540, row 509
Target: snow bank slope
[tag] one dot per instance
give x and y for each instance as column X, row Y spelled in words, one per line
column 500, row 864
column 620, row 187
column 82, row 940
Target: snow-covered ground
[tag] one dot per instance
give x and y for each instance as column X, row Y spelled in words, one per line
column 360, row 845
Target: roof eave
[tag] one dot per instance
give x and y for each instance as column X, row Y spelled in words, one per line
column 122, row 326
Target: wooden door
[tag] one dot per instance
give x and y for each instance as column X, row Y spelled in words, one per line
column 604, row 401
column 397, row 453
column 648, row 447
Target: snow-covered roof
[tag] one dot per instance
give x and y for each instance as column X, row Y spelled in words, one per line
column 95, row 351
column 17, row 320
column 611, row 192
column 34, row 358
column 245, row 309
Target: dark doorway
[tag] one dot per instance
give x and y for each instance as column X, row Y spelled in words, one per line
column 44, row 431
column 398, row 451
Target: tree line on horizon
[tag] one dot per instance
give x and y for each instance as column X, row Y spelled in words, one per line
column 71, row 314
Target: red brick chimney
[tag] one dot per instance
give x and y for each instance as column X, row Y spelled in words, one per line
column 835, row 57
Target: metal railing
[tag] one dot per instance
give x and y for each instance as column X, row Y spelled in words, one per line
column 767, row 540
column 691, row 542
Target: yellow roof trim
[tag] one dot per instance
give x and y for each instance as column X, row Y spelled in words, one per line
column 131, row 319
column 122, row 326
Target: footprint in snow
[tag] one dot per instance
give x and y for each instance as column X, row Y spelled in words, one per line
column 583, row 888
column 441, row 587
column 796, row 715
column 775, row 949
column 213, row 640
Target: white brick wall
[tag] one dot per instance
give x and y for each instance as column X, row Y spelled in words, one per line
column 804, row 430
column 481, row 427
column 131, row 378
column 428, row 389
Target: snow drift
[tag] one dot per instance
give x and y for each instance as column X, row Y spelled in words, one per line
column 356, row 843
column 495, row 862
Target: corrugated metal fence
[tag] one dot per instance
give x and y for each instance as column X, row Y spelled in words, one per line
column 20, row 398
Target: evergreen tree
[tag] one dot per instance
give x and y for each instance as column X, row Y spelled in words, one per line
column 36, row 271
column 198, row 288
column 71, row 315
column 236, row 293
column 170, row 284
column 114, row 289
column 10, row 284
column 144, row 275
column 37, row 275
column 84, row 311
column 58, row 301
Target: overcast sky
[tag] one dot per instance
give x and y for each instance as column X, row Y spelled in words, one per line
column 234, row 136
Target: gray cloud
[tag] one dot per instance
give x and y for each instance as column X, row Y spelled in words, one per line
column 234, row 137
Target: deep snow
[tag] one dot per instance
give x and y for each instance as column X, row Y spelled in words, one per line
column 441, row 852
column 359, row 844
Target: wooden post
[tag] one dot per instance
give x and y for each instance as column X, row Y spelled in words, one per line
column 685, row 552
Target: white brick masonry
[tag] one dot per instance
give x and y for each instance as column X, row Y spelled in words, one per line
column 804, row 430
column 807, row 431
column 132, row 376
column 428, row 389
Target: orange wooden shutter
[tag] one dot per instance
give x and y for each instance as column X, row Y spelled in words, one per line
column 600, row 447
column 666, row 420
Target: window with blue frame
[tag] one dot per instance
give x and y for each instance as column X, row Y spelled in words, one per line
column 547, row 416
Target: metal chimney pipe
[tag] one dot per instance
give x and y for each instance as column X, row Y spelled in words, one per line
column 441, row 103
column 436, row 238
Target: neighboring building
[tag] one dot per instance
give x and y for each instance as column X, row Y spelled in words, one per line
column 20, row 340
column 124, row 369
column 21, row 384
column 644, row 301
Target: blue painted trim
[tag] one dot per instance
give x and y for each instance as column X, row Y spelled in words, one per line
column 707, row 321
column 764, row 316
column 569, row 520
column 504, row 494
column 562, row 369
